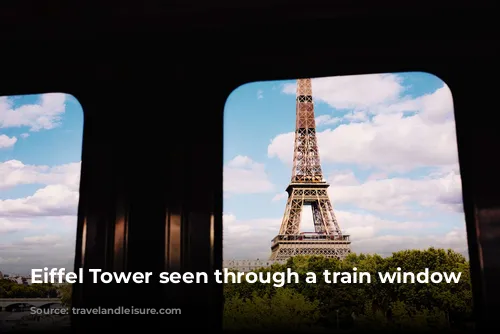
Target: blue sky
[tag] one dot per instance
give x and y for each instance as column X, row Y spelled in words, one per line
column 388, row 149
column 40, row 153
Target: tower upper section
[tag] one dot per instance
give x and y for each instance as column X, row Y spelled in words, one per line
column 305, row 105
column 306, row 161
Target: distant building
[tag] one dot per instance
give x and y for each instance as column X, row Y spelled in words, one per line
column 249, row 265
column 1, row 275
column 23, row 280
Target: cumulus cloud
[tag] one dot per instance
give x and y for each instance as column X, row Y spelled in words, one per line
column 6, row 141
column 407, row 147
column 36, row 242
column 354, row 92
column 14, row 173
column 42, row 116
column 327, row 120
column 15, row 225
column 389, row 140
column 36, row 230
column 248, row 239
column 398, row 195
column 251, row 239
column 392, row 143
column 53, row 200
column 59, row 196
column 242, row 175
column 385, row 245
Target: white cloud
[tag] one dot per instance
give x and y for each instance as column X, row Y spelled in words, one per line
column 354, row 92
column 58, row 198
column 68, row 221
column 433, row 108
column 260, row 94
column 343, row 178
column 377, row 176
column 242, row 175
column 251, row 239
column 6, row 141
column 42, row 242
column 387, row 244
column 365, row 226
column 44, row 115
column 389, row 141
column 14, row 173
column 15, row 225
column 52, row 200
column 50, row 210
column 46, row 250
column 396, row 195
column 356, row 116
column 22, row 250
column 46, row 239
column 279, row 197
column 248, row 239
column 378, row 93
column 327, row 120
column 376, row 128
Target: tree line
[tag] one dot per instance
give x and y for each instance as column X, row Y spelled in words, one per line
column 10, row 289
column 346, row 307
column 335, row 307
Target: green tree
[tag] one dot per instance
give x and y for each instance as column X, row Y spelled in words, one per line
column 65, row 293
column 371, row 306
column 286, row 309
column 10, row 289
column 371, row 318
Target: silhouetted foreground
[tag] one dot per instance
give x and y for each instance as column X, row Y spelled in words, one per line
column 357, row 307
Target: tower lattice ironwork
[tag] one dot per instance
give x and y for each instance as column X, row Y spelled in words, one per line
column 307, row 187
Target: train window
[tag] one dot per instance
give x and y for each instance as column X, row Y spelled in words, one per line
column 40, row 153
column 340, row 172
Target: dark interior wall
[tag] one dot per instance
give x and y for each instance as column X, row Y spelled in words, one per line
column 153, row 78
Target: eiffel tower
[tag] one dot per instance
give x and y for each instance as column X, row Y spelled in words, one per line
column 307, row 187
